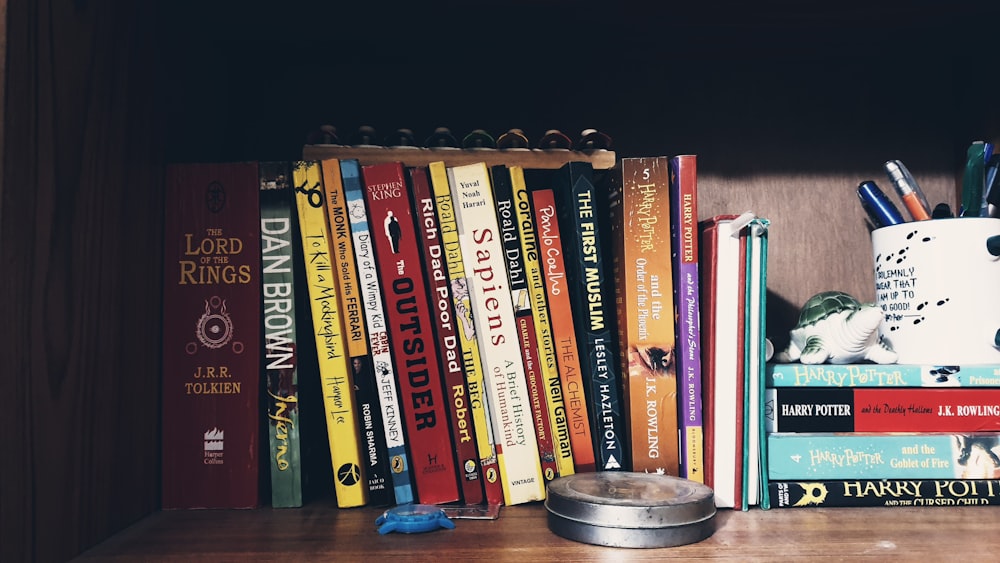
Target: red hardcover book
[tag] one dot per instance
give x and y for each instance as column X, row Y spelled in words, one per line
column 211, row 336
column 708, row 262
column 722, row 357
column 432, row 248
column 740, row 368
column 881, row 409
column 411, row 332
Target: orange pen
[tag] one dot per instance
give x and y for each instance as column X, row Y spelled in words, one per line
column 908, row 190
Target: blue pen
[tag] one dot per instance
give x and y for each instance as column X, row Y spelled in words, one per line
column 879, row 208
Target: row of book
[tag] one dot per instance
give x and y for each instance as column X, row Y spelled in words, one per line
column 883, row 435
column 477, row 330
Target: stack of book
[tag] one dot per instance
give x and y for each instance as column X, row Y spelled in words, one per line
column 734, row 262
column 883, row 435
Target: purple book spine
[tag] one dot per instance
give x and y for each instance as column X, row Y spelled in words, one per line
column 684, row 234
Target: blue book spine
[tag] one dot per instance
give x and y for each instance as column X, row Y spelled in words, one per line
column 881, row 375
column 378, row 337
column 818, row 456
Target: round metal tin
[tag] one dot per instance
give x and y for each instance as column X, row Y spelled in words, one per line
column 623, row 509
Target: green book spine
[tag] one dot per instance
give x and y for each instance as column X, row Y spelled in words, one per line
column 280, row 355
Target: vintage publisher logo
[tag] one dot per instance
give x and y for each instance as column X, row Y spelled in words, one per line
column 214, row 446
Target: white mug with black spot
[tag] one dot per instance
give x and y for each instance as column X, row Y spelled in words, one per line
column 938, row 285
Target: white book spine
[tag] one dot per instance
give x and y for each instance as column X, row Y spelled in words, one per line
column 493, row 313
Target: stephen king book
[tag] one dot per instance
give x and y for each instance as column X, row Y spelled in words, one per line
column 411, row 332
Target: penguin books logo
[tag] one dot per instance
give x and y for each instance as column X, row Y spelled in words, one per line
column 214, row 446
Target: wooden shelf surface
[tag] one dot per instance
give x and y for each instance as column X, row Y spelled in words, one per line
column 415, row 156
column 321, row 532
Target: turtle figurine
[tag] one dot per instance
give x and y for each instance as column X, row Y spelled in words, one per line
column 836, row 328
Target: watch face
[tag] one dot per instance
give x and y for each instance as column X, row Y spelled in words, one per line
column 422, row 511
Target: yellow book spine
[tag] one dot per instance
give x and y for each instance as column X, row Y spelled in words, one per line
column 558, row 422
column 342, row 248
column 471, row 358
column 334, row 371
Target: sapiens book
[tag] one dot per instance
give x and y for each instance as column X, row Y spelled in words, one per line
column 810, row 456
column 335, row 373
column 593, row 309
column 558, row 420
column 687, row 304
column 563, row 329
column 880, row 375
column 881, row 409
column 378, row 337
column 411, row 333
column 640, row 229
column 280, row 361
column 211, row 336
column 456, row 391
column 885, row 492
column 469, row 344
column 723, row 295
column 755, row 458
column 493, row 314
column 380, row 492
column 503, row 197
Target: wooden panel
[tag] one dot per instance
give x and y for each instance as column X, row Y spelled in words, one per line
column 320, row 532
column 416, row 156
column 80, row 244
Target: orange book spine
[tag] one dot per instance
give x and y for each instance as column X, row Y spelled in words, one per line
column 563, row 330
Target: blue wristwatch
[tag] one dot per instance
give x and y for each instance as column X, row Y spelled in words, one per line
column 413, row 519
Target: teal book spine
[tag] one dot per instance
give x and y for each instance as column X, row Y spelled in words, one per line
column 880, row 375
column 819, row 456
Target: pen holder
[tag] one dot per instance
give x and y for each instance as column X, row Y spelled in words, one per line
column 938, row 285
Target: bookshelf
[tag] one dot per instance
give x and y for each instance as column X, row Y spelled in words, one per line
column 787, row 106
